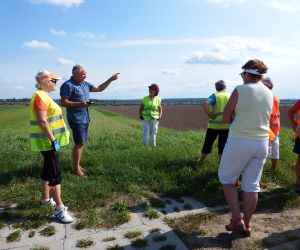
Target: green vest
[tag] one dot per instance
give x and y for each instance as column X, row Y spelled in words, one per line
column 150, row 110
column 38, row 140
column 217, row 109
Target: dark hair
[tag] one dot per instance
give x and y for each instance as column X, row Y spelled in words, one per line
column 155, row 87
column 256, row 64
column 220, row 85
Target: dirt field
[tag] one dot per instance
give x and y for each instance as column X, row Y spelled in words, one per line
column 181, row 117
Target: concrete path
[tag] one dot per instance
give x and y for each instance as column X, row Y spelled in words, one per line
column 156, row 234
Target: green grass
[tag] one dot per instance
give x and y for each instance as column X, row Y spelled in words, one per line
column 132, row 234
column 119, row 169
column 48, row 231
column 14, row 236
column 40, row 248
column 151, row 213
column 84, row 243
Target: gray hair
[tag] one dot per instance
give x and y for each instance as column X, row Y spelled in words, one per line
column 78, row 68
column 40, row 82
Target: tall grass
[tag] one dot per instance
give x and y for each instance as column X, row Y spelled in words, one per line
column 119, row 169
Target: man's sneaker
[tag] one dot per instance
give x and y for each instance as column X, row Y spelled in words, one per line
column 49, row 203
column 63, row 215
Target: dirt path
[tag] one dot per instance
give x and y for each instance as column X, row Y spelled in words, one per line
column 181, row 117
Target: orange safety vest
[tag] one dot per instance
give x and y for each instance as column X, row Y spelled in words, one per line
column 297, row 120
column 275, row 116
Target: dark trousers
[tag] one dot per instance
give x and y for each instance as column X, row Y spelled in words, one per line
column 51, row 169
column 211, row 136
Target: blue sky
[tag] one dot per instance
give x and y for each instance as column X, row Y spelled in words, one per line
column 183, row 45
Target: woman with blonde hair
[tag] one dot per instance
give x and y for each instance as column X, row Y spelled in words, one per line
column 48, row 133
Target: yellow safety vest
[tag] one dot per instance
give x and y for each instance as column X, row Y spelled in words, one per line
column 221, row 101
column 38, row 140
column 150, row 110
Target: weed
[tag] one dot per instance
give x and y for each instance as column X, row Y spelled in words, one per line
column 48, row 231
column 14, row 236
column 168, row 247
column 159, row 238
column 31, row 233
column 133, row 234
column 139, row 243
column 151, row 213
column 2, row 224
column 79, row 225
column 176, row 209
column 157, row 203
column 84, row 243
column 116, row 247
column 187, row 206
column 154, row 230
column 110, row 238
column 40, row 248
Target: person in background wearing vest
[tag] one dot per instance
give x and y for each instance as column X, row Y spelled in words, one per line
column 274, row 125
column 150, row 113
column 214, row 107
column 248, row 110
column 75, row 96
column 294, row 117
column 48, row 133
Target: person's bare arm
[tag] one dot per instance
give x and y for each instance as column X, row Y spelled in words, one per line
column 104, row 85
column 65, row 102
column 228, row 113
column 206, row 108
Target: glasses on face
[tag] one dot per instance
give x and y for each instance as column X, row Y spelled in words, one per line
column 151, row 89
column 53, row 80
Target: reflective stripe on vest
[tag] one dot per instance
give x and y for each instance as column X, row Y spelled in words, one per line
column 38, row 140
column 275, row 116
column 221, row 101
column 150, row 110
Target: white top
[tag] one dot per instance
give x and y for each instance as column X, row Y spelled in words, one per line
column 252, row 112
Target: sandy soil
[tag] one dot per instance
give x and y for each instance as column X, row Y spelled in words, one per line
column 180, row 117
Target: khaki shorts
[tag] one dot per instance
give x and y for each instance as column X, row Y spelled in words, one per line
column 243, row 157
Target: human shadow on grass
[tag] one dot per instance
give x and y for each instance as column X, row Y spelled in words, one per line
column 21, row 174
column 223, row 240
column 276, row 239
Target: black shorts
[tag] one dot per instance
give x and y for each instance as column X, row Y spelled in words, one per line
column 297, row 146
column 211, row 136
column 80, row 132
column 51, row 169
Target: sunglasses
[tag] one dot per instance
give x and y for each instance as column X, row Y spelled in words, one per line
column 53, row 80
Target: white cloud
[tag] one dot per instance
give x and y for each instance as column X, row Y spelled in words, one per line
column 63, row 61
column 174, row 71
column 89, row 35
column 57, row 32
column 34, row 44
column 287, row 5
column 230, row 50
column 65, row 3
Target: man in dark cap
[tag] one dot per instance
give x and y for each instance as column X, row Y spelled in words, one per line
column 214, row 107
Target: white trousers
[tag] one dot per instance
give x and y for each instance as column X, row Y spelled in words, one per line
column 150, row 128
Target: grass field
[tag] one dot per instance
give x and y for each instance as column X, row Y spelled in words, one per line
column 121, row 172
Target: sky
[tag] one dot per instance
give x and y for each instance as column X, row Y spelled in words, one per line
column 182, row 45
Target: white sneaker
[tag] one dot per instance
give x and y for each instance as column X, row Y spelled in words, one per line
column 63, row 215
column 50, row 203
